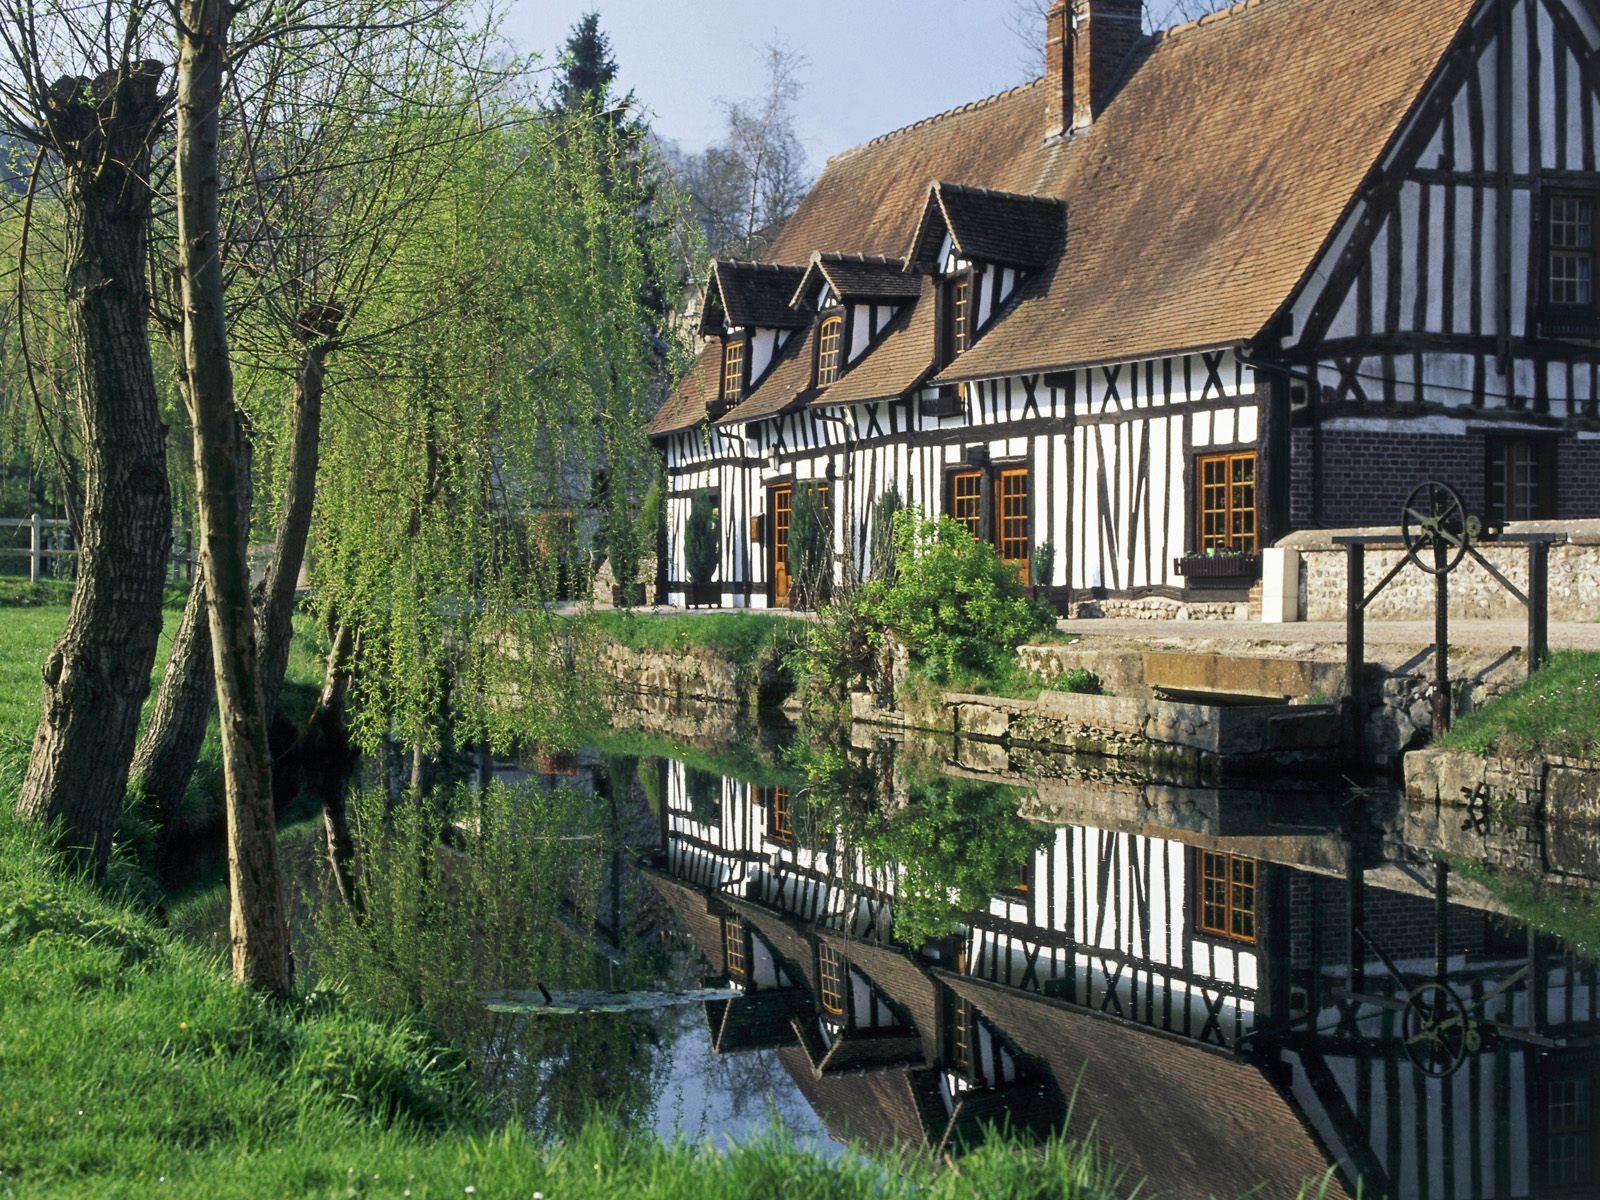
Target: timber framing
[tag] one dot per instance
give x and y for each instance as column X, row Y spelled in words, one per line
column 1129, row 306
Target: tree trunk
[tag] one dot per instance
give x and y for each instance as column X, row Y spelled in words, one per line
column 275, row 612
column 326, row 746
column 98, row 674
column 170, row 747
column 257, row 925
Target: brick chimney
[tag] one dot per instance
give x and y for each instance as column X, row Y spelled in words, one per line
column 1087, row 42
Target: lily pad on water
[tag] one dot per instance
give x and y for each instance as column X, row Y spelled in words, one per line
column 567, row 1004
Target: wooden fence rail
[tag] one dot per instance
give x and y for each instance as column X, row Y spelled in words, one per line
column 50, row 550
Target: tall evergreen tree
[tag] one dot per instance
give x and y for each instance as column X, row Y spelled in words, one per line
column 588, row 69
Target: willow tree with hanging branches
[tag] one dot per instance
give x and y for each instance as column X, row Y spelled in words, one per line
column 462, row 460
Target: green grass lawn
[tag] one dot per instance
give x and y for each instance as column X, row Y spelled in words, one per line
column 742, row 636
column 1555, row 711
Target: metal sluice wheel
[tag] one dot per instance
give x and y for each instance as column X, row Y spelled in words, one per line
column 1434, row 515
column 1438, row 1033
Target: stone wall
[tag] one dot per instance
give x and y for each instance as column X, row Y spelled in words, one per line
column 694, row 675
column 604, row 580
column 1532, row 816
column 1474, row 593
column 1161, row 608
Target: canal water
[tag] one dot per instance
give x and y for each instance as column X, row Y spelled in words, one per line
column 1234, row 992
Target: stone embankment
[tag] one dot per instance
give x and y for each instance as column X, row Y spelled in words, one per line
column 1532, row 816
column 695, row 674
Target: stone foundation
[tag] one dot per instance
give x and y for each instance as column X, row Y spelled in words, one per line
column 1161, row 608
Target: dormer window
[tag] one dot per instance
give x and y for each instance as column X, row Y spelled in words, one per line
column 960, row 314
column 830, row 974
column 830, row 349
column 732, row 369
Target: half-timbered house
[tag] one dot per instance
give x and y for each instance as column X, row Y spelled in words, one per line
column 1179, row 297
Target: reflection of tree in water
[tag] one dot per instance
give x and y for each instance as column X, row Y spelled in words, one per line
column 556, row 1073
column 950, row 844
column 507, row 888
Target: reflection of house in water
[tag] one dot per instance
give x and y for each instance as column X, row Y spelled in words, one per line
column 1194, row 991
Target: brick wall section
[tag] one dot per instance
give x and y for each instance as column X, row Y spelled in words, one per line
column 1401, row 924
column 1578, row 479
column 1366, row 476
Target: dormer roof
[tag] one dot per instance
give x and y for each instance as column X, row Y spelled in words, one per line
column 1004, row 228
column 786, row 384
column 900, row 362
column 858, row 278
column 750, row 295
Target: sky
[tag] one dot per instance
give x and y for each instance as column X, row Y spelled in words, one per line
column 873, row 65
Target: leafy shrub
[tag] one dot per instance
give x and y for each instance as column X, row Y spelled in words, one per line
column 837, row 651
column 651, row 513
column 957, row 843
column 1083, row 681
column 702, row 539
column 953, row 602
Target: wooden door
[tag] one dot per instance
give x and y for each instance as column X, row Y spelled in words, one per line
column 1012, row 535
column 780, row 503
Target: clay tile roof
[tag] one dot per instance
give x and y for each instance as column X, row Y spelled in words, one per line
column 687, row 406
column 1166, row 1111
column 788, row 382
column 752, row 295
column 989, row 226
column 1207, row 189
column 858, row 277
column 899, row 363
column 1198, row 201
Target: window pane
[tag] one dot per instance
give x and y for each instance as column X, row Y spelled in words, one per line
column 965, row 496
column 830, row 346
column 1013, row 539
column 733, row 943
column 1571, row 222
column 831, row 977
column 732, row 370
column 960, row 315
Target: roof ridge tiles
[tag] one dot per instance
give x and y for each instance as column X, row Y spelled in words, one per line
column 1207, row 21
column 970, row 106
column 871, row 260
column 968, row 189
column 743, row 264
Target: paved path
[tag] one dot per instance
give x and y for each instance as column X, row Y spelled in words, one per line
column 1499, row 635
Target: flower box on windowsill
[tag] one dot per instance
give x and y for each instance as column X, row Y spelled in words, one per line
column 1218, row 566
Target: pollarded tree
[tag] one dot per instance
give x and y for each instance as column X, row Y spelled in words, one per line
column 94, row 128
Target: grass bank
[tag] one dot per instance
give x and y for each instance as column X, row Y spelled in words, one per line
column 1555, row 711
column 131, row 1066
column 741, row 636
